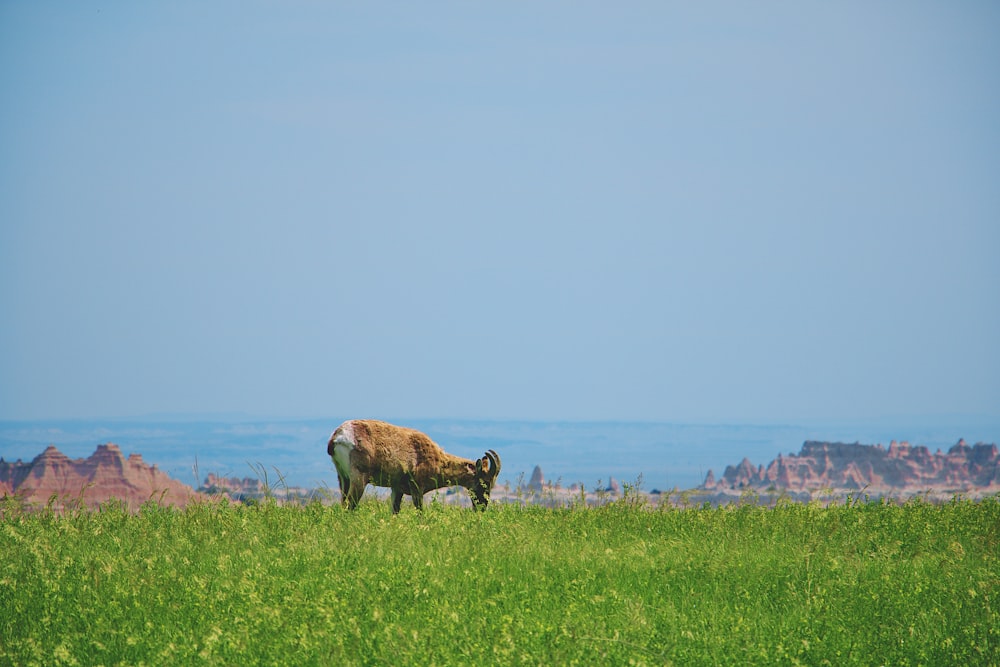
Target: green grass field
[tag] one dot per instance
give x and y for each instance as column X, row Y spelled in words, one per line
column 855, row 583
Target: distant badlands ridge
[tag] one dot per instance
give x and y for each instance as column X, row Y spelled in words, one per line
column 105, row 474
column 901, row 470
column 820, row 468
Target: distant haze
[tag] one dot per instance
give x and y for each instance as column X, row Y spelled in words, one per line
column 293, row 452
column 547, row 211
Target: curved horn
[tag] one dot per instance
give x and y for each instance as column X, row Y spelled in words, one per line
column 494, row 462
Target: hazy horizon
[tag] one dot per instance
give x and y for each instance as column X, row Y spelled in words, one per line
column 663, row 454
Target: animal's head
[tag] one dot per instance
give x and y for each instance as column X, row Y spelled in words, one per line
column 487, row 469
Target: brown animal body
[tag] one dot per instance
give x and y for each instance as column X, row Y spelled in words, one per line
column 366, row 451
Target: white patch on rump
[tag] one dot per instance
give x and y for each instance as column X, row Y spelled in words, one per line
column 343, row 443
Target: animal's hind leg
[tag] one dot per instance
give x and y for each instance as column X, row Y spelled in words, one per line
column 355, row 488
column 345, row 484
column 340, row 454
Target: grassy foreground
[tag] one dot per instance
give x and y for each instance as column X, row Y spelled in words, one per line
column 221, row 584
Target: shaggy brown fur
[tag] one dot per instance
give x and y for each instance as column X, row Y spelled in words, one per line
column 407, row 461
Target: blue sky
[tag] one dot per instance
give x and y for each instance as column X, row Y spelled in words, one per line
column 552, row 210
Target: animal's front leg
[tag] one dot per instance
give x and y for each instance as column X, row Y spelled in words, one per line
column 397, row 498
column 417, row 494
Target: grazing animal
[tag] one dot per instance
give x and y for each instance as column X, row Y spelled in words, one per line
column 366, row 451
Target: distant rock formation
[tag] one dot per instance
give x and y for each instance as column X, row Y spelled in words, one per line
column 614, row 488
column 106, row 474
column 840, row 466
column 537, row 481
column 234, row 487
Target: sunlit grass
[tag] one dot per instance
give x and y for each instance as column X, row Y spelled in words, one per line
column 225, row 584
